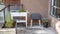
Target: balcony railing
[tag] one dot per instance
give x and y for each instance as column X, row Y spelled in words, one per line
column 3, row 13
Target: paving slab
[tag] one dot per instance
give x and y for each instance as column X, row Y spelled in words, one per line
column 40, row 30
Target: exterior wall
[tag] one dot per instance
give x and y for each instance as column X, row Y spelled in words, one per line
column 36, row 6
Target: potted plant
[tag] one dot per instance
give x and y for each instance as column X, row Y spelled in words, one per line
column 45, row 22
column 9, row 23
column 21, row 10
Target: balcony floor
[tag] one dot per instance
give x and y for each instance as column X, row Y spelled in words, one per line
column 36, row 30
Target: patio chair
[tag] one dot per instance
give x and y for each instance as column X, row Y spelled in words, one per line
column 35, row 16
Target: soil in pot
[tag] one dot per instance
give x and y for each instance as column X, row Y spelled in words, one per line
column 45, row 25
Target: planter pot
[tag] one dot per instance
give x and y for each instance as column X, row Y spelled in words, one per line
column 8, row 31
column 45, row 24
column 10, row 27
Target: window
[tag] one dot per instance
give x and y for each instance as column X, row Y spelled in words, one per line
column 1, row 1
column 55, row 8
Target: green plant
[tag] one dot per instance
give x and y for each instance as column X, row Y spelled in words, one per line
column 45, row 19
column 45, row 22
column 21, row 11
column 9, row 22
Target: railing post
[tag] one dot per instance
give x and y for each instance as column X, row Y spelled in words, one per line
column 4, row 14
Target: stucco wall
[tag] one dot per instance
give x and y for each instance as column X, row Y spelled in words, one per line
column 36, row 6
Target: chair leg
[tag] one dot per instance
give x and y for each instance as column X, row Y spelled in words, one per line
column 26, row 21
column 39, row 22
column 31, row 22
column 26, row 24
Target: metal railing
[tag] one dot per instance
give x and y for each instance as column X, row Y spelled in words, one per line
column 3, row 10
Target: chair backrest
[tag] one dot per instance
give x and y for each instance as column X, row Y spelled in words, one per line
column 35, row 16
